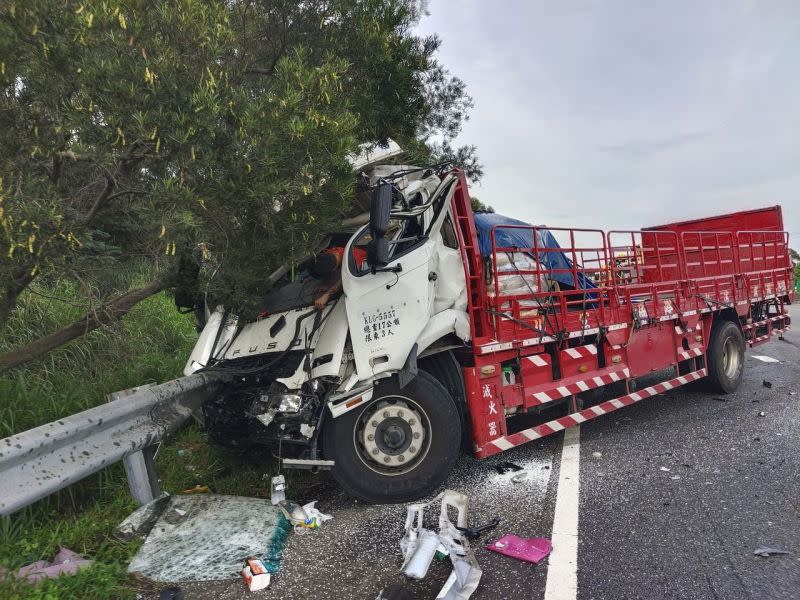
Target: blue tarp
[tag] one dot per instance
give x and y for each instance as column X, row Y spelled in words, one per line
column 510, row 237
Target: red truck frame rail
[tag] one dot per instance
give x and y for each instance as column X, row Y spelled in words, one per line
column 552, row 356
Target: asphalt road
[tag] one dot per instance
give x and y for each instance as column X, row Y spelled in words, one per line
column 733, row 485
column 675, row 494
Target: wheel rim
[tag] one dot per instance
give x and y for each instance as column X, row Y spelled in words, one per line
column 392, row 435
column 731, row 358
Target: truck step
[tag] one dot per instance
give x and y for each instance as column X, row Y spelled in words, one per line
column 299, row 463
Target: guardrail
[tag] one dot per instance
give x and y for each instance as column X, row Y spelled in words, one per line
column 41, row 461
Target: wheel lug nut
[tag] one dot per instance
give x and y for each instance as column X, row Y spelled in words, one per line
column 386, row 414
column 387, row 459
column 370, row 437
column 412, row 449
column 412, row 421
column 374, row 423
column 375, row 451
column 401, row 458
column 416, row 435
column 399, row 413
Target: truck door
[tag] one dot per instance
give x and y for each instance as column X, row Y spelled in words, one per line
column 387, row 311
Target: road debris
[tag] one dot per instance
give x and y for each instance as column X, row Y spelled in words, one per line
column 767, row 551
column 141, row 521
column 762, row 414
column 473, row 533
column 204, row 537
column 766, row 359
column 597, row 454
column 198, row 489
column 419, row 546
column 65, row 562
column 665, row 469
column 171, row 593
column 255, row 574
column 505, row 467
column 424, row 550
column 767, row 384
column 527, row 549
column 303, row 518
column 396, row 592
column 519, row 477
column 277, row 489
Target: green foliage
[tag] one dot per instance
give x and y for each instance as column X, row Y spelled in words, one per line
column 151, row 345
column 477, row 205
column 793, row 254
column 150, row 129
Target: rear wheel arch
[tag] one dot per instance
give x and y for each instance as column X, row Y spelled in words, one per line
column 727, row 314
column 446, row 369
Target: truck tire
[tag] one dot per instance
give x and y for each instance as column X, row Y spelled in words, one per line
column 725, row 357
column 400, row 446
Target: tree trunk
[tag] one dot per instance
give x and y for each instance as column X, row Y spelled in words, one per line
column 20, row 279
column 113, row 311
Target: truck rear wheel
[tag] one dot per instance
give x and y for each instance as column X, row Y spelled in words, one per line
column 400, row 446
column 725, row 357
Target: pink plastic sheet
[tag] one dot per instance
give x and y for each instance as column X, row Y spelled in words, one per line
column 66, row 562
column 528, row 549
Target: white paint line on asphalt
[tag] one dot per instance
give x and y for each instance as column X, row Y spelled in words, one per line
column 562, row 570
column 766, row 359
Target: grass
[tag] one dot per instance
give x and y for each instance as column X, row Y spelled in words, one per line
column 150, row 344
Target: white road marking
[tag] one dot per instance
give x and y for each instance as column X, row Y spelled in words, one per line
column 766, row 359
column 562, row 570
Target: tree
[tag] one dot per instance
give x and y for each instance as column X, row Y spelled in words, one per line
column 150, row 133
column 795, row 256
column 477, row 205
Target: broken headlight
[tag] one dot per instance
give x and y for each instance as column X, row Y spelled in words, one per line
column 268, row 405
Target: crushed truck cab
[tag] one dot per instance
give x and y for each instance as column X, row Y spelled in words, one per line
column 297, row 367
column 464, row 331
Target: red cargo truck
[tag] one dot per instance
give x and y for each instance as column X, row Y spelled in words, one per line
column 477, row 331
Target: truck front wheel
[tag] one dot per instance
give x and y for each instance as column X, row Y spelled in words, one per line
column 398, row 447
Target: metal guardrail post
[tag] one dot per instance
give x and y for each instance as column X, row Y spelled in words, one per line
column 140, row 468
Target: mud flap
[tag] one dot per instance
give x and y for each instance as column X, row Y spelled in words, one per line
column 409, row 370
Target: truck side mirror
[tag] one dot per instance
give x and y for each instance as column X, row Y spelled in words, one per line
column 378, row 252
column 380, row 210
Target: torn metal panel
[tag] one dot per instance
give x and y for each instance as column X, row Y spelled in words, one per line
column 419, row 546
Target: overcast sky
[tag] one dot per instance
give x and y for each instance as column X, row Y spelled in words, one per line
column 627, row 114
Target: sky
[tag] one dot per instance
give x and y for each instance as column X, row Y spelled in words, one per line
column 627, row 114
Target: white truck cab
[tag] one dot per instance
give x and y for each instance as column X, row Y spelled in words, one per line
column 340, row 387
